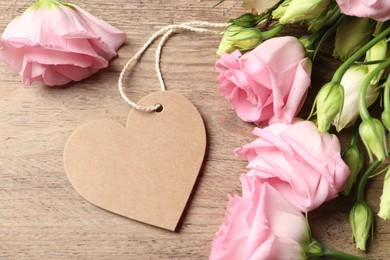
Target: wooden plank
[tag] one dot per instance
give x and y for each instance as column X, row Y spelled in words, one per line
column 42, row 217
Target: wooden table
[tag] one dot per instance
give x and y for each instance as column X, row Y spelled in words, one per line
column 43, row 217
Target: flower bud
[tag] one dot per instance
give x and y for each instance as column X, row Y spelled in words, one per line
column 329, row 102
column 314, row 250
column 376, row 52
column 384, row 207
column 291, row 11
column 373, row 136
column 259, row 6
column 238, row 37
column 352, row 81
column 386, row 118
column 354, row 158
column 351, row 35
column 247, row 20
column 307, row 42
column 361, row 220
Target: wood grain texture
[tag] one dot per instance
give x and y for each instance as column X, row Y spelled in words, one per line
column 43, row 217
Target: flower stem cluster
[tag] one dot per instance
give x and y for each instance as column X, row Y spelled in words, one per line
column 326, row 98
column 361, row 41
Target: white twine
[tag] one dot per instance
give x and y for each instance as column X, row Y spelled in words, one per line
column 165, row 32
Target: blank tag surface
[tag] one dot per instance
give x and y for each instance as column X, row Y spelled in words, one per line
column 145, row 171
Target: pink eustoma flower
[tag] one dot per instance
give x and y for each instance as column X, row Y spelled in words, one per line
column 260, row 225
column 375, row 9
column 305, row 166
column 58, row 43
column 267, row 83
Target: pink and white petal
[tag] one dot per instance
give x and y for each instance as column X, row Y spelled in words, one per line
column 285, row 249
column 102, row 49
column 53, row 78
column 315, row 162
column 274, row 139
column 53, row 57
column 37, row 69
column 298, row 91
column 238, row 100
column 73, row 72
column 80, row 46
column 256, row 216
column 281, row 53
column 286, row 220
column 306, row 130
column 68, row 24
column 108, row 34
column 25, row 73
column 229, row 241
column 228, row 61
column 257, row 70
column 263, row 252
column 12, row 56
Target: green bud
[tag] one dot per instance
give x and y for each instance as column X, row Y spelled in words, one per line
column 373, row 136
column 281, row 10
column 377, row 52
column 354, row 158
column 386, row 104
column 246, row 20
column 386, row 118
column 259, row 7
column 238, row 37
column 307, row 42
column 361, row 220
column 384, row 207
column 291, row 11
column 351, row 35
column 329, row 103
column 352, row 83
column 314, row 250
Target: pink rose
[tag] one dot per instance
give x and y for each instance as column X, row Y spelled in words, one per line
column 260, row 225
column 375, row 9
column 304, row 165
column 57, row 43
column 268, row 82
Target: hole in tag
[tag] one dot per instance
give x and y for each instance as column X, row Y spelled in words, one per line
column 159, row 108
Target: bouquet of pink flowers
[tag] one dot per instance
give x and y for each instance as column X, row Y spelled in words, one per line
column 295, row 165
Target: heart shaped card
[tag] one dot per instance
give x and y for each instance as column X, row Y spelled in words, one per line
column 145, row 171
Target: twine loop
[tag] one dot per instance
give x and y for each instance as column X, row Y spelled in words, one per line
column 165, row 32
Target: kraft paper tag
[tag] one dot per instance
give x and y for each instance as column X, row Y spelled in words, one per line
column 145, row 171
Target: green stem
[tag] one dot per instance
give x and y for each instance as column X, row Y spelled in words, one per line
column 353, row 142
column 271, row 33
column 318, row 34
column 343, row 68
column 328, row 33
column 264, row 17
column 355, row 137
column 363, row 180
column 363, row 111
column 340, row 255
column 373, row 62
